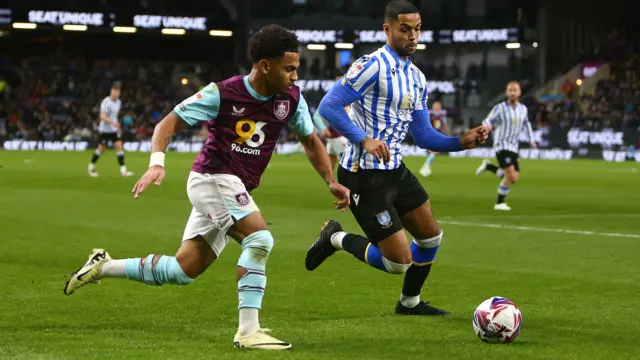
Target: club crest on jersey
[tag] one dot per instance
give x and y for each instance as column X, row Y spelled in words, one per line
column 407, row 102
column 242, row 198
column 281, row 108
column 384, row 219
column 406, row 105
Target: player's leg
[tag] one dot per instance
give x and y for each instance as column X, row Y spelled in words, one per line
column 486, row 165
column 426, row 168
column 509, row 163
column 193, row 257
column 385, row 247
column 203, row 241
column 427, row 237
column 120, row 155
column 511, row 176
column 250, row 230
column 96, row 156
column 414, row 208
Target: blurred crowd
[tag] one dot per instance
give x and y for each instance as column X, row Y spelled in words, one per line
column 59, row 98
column 616, row 101
column 61, row 101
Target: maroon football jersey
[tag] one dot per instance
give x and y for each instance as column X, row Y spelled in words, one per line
column 244, row 133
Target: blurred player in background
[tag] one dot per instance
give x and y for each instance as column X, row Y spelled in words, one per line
column 110, row 131
column 245, row 115
column 506, row 121
column 439, row 122
column 388, row 96
column 336, row 143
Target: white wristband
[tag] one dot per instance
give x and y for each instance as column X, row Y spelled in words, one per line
column 157, row 158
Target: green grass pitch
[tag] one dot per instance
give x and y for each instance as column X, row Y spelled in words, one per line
column 567, row 255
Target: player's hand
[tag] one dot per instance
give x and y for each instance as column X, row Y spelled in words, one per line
column 342, row 194
column 154, row 175
column 534, row 145
column 489, row 127
column 326, row 133
column 116, row 125
column 378, row 149
column 474, row 137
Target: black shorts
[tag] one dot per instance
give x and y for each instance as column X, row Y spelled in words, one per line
column 507, row 158
column 105, row 138
column 380, row 198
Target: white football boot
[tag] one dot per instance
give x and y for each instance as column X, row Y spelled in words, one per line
column 88, row 273
column 482, row 167
column 426, row 170
column 259, row 340
column 502, row 207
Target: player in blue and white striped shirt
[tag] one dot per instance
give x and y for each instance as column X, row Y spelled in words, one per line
column 388, row 96
column 507, row 120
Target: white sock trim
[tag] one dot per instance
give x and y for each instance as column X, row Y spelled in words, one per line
column 409, row 301
column 113, row 268
column 336, row 239
column 248, row 321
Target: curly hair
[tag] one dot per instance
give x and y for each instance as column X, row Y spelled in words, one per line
column 272, row 41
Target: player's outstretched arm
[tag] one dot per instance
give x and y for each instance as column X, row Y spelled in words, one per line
column 426, row 137
column 161, row 138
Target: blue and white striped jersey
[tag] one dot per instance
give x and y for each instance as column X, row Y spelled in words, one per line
column 507, row 122
column 111, row 108
column 391, row 88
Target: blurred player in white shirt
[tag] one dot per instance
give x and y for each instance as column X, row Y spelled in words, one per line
column 110, row 131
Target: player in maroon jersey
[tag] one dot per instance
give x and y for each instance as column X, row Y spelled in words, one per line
column 244, row 116
column 439, row 122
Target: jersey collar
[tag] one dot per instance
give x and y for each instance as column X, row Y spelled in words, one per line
column 251, row 91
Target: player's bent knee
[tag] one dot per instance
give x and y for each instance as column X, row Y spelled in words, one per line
column 395, row 268
column 255, row 249
column 424, row 251
column 165, row 270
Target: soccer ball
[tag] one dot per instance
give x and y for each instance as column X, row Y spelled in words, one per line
column 497, row 320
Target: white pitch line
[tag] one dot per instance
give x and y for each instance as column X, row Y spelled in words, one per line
column 531, row 228
column 534, row 216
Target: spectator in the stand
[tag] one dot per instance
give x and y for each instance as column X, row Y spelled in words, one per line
column 567, row 88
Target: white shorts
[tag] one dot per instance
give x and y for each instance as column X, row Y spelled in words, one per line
column 337, row 146
column 217, row 200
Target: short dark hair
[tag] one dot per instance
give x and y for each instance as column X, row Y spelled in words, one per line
column 397, row 8
column 272, row 41
column 116, row 85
